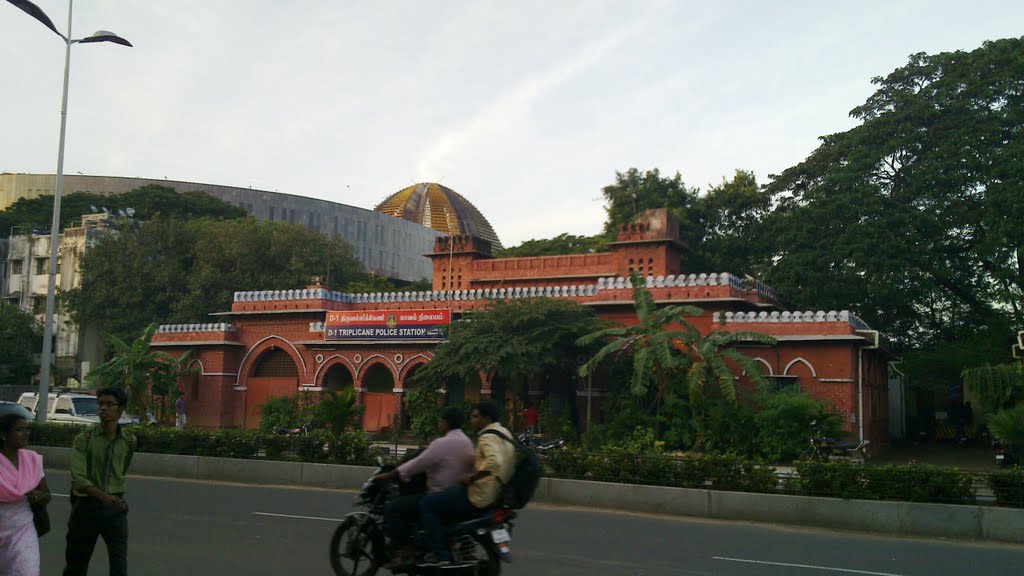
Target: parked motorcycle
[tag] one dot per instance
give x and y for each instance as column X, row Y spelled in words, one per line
column 1006, row 456
column 828, row 449
column 359, row 546
column 536, row 443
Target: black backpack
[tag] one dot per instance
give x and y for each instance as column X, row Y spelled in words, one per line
column 520, row 488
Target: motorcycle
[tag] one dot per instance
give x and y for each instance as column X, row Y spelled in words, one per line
column 828, row 449
column 359, row 546
column 1006, row 456
column 536, row 443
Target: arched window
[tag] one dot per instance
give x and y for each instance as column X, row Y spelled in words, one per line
column 275, row 363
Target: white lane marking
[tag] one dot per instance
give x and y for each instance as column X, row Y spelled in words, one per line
column 808, row 566
column 59, row 495
column 299, row 517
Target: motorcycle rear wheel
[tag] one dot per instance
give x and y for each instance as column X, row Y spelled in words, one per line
column 493, row 566
column 353, row 547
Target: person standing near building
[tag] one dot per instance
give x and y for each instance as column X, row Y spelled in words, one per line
column 179, row 409
column 21, row 485
column 100, row 457
column 530, row 418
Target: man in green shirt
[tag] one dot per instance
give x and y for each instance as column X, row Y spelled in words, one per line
column 100, row 458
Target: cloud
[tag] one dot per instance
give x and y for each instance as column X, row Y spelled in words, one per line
column 512, row 111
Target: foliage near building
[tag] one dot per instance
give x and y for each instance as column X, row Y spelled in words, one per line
column 144, row 203
column 149, row 377
column 518, row 341
column 180, row 271
column 22, row 339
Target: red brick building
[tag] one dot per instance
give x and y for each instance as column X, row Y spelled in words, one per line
column 276, row 342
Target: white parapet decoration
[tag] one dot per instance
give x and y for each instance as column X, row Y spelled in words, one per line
column 204, row 327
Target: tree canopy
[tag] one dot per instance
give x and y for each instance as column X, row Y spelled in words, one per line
column 561, row 244
column 915, row 216
column 179, row 271
column 515, row 340
column 22, row 337
column 146, row 203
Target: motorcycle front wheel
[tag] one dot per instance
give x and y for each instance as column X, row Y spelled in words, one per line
column 353, row 548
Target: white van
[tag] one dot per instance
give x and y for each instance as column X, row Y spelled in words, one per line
column 68, row 408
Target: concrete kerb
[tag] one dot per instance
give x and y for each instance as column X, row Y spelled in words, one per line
column 632, row 497
column 1004, row 524
column 335, row 476
column 905, row 518
column 249, row 471
column 170, row 465
column 862, row 515
column 943, row 520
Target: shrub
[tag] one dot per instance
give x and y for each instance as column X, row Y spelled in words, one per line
column 286, row 412
column 783, row 424
column 317, row 446
column 909, row 482
column 1008, row 486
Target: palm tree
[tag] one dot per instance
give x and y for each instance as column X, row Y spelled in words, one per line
column 656, row 355
column 708, row 362
column 148, row 377
column 660, row 352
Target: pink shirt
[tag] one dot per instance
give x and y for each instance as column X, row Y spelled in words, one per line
column 445, row 461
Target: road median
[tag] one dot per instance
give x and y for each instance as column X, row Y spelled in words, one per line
column 901, row 518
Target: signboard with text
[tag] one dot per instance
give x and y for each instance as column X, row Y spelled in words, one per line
column 388, row 325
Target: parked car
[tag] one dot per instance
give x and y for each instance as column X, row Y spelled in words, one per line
column 69, row 408
column 14, row 408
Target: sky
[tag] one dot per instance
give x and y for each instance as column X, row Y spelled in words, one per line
column 526, row 108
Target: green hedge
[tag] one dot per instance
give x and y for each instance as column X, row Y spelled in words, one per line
column 625, row 466
column 909, row 482
column 1008, row 486
column 317, row 446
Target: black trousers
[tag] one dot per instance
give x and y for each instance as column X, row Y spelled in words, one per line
column 90, row 520
column 398, row 515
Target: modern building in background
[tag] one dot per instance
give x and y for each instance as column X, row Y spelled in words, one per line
column 387, row 246
column 24, row 283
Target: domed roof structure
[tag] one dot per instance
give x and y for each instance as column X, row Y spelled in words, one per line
column 440, row 208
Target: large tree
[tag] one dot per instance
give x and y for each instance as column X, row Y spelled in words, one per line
column 730, row 217
column 22, row 338
column 915, row 216
column 177, row 271
column 561, row 244
column 143, row 203
column 517, row 341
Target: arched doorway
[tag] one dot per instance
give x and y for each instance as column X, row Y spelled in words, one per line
column 274, row 373
column 379, row 409
column 338, row 378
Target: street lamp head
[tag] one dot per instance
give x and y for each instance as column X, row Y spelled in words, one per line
column 104, row 36
column 37, row 13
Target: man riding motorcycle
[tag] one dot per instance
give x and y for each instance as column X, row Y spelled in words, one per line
column 493, row 467
column 445, row 462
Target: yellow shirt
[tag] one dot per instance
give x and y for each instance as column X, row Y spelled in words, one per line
column 496, row 455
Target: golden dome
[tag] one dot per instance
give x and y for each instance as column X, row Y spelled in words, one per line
column 440, row 208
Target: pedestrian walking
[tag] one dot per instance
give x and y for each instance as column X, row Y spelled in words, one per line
column 100, row 458
column 22, row 486
column 179, row 409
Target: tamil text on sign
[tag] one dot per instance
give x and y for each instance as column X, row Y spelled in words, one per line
column 388, row 325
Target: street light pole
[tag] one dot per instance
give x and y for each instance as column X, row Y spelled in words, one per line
column 51, row 286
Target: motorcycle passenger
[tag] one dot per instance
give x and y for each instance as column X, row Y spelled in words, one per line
column 445, row 461
column 493, row 466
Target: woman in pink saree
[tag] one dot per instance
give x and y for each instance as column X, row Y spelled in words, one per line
column 21, row 482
